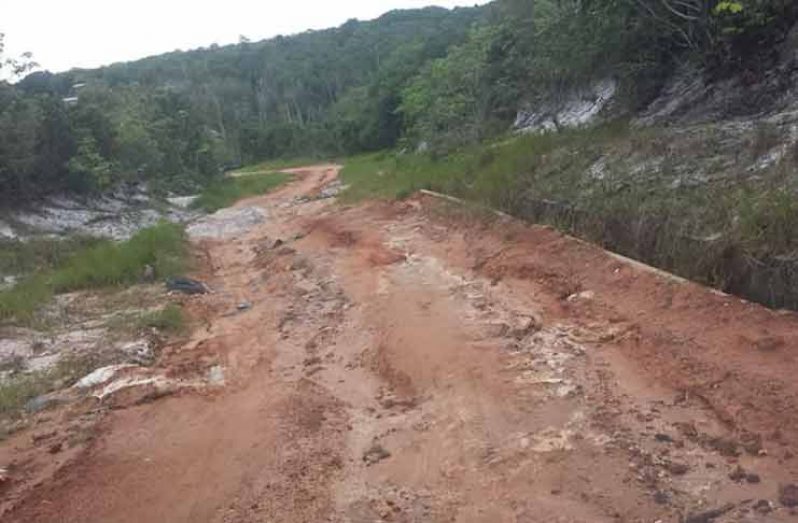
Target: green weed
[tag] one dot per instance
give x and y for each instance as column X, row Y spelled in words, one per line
column 170, row 319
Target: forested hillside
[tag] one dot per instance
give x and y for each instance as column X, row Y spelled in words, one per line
column 179, row 118
column 434, row 77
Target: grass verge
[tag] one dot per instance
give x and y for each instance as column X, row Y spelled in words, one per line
column 225, row 192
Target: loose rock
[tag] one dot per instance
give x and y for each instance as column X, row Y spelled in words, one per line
column 788, row 495
column 738, row 474
column 727, row 447
column 678, row 469
column 41, row 403
column 375, row 454
column 708, row 516
column 763, row 506
column 186, row 286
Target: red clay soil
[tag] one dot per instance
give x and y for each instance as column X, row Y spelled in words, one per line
column 412, row 362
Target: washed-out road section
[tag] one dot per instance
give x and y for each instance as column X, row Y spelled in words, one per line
column 418, row 361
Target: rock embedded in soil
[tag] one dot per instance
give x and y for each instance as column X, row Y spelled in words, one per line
column 738, row 474
column 186, row 286
column 788, row 495
column 41, row 403
column 375, row 454
column 678, row 469
column 763, row 506
column 707, row 516
column 753, row 478
column 727, row 447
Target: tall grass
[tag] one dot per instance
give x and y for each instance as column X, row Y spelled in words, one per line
column 227, row 191
column 162, row 247
column 19, row 257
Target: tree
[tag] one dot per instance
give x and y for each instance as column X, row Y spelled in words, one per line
column 15, row 67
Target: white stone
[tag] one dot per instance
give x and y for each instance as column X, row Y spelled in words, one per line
column 100, row 376
column 227, row 223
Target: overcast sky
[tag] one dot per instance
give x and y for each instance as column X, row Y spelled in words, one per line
column 63, row 34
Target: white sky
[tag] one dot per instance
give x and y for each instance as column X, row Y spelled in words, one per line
column 63, row 34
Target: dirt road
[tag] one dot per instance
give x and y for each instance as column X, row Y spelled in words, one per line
column 416, row 362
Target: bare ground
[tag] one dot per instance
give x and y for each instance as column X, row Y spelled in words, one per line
column 417, row 362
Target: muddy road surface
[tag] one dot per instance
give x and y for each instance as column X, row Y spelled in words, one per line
column 416, row 361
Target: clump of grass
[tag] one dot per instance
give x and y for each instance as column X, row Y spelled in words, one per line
column 22, row 300
column 163, row 247
column 227, row 191
column 170, row 319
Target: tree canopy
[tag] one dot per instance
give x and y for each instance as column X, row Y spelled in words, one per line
column 444, row 77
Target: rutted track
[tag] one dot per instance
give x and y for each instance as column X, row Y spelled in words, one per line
column 413, row 362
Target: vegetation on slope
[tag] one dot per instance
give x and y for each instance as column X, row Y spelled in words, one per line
column 162, row 247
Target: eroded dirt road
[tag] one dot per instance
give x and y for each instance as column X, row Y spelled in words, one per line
column 414, row 362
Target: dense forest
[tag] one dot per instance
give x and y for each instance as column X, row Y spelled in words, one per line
column 440, row 77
